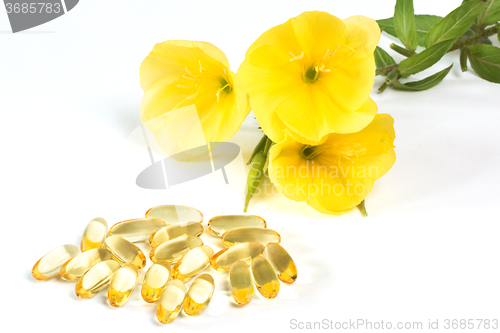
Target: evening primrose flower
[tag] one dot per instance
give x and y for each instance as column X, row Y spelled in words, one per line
column 190, row 77
column 338, row 174
column 312, row 75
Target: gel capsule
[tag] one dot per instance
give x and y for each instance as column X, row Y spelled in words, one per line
column 74, row 268
column 50, row 264
column 121, row 285
column 125, row 252
column 96, row 279
column 241, row 235
column 155, row 279
column 137, row 230
column 265, row 277
column 174, row 249
column 170, row 302
column 199, row 295
column 241, row 281
column 175, row 213
column 94, row 235
column 174, row 231
column 282, row 262
column 194, row 262
column 222, row 260
column 220, row 224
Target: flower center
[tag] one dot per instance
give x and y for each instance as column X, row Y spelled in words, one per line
column 225, row 88
column 345, row 150
column 312, row 74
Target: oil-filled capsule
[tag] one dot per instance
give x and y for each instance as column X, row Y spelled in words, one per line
column 50, row 264
column 137, row 230
column 222, row 260
column 155, row 279
column 282, row 262
column 74, row 268
column 170, row 302
column 96, row 279
column 240, row 278
column 121, row 285
column 174, row 249
column 192, row 263
column 220, row 224
column 199, row 294
column 94, row 235
column 175, row 213
column 125, row 252
column 251, row 234
column 174, row 231
column 265, row 277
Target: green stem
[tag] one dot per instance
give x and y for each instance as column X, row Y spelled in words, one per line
column 362, row 209
column 385, row 70
column 402, row 50
column 475, row 39
column 463, row 59
column 394, row 74
column 268, row 146
column 462, row 42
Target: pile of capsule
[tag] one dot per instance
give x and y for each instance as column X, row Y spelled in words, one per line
column 253, row 256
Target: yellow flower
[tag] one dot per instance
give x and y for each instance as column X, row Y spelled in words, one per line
column 191, row 77
column 338, row 174
column 312, row 75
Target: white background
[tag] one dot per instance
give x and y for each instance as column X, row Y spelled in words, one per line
column 69, row 101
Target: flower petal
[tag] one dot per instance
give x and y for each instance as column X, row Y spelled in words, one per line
column 285, row 165
column 268, row 77
column 362, row 34
column 350, row 79
column 164, row 96
column 311, row 32
column 312, row 114
column 169, row 59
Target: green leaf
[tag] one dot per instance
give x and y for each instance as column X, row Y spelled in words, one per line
column 424, row 24
column 455, row 24
column 485, row 60
column 404, row 22
column 424, row 84
column 424, row 59
column 382, row 58
column 387, row 25
column 490, row 13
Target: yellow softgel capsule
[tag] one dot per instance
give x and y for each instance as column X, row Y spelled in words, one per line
column 251, row 234
column 74, row 268
column 155, row 279
column 282, row 262
column 175, row 213
column 121, row 285
column 199, row 295
column 265, row 277
column 96, row 279
column 94, row 235
column 170, row 302
column 174, row 231
column 50, row 264
column 222, row 260
column 137, row 230
column 125, row 252
column 175, row 249
column 194, row 262
column 220, row 224
column 240, row 278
